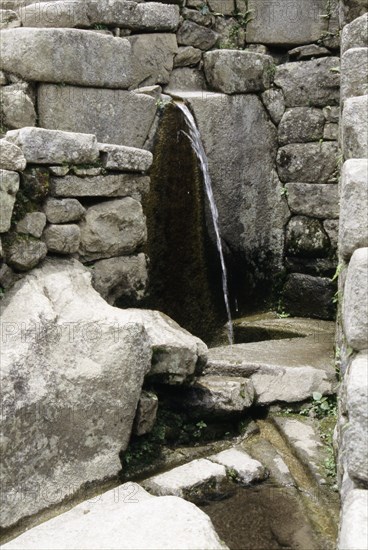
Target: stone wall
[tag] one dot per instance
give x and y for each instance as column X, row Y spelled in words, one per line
column 352, row 341
column 263, row 132
column 67, row 195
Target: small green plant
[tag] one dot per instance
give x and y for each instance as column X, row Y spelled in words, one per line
column 232, row 474
column 322, row 406
column 100, row 27
column 284, row 192
column 337, row 272
column 283, row 314
column 200, row 426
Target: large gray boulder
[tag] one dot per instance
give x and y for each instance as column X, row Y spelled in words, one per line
column 32, row 223
column 355, row 127
column 112, row 228
column 252, row 210
column 66, row 55
column 298, row 22
column 312, row 83
column 307, row 162
column 9, row 185
column 353, row 230
column 355, row 305
column 72, row 374
column 62, row 239
column 153, row 58
column 114, row 116
column 41, row 146
column 125, row 518
column 63, row 210
column 235, row 71
column 24, row 254
column 354, row 73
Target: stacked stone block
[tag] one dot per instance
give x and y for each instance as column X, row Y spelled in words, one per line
column 76, row 197
column 353, row 282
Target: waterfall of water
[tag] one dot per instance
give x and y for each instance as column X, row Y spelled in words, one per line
column 195, row 139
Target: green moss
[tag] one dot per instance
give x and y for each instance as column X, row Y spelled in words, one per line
column 33, row 190
column 185, row 277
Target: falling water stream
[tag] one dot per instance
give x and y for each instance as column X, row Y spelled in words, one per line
column 195, row 139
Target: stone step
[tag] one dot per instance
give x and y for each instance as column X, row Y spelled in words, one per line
column 269, row 326
column 124, row 518
column 238, row 463
column 288, row 370
column 125, row 159
column 304, row 440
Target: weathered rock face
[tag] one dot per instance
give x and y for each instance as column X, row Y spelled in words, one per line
column 307, row 162
column 252, row 210
column 11, row 156
column 153, row 56
column 354, row 207
column 112, row 228
column 186, row 79
column 68, row 406
column 114, row 116
column 89, row 59
column 17, row 108
column 114, row 185
column 62, row 239
column 297, row 23
column 63, row 210
column 187, row 56
column 125, row 518
column 354, row 513
column 41, row 146
column 125, row 159
column 274, row 102
column 287, row 370
column 309, row 296
column 354, row 73
column 191, row 34
column 194, row 477
column 310, row 83
column 24, row 254
column 215, row 395
column 355, row 127
column 151, row 16
column 356, row 401
column 145, row 416
column 320, row 199
column 33, row 224
column 125, row 277
column 9, row 185
column 306, row 237
column 355, row 35
column 351, row 9
column 233, row 71
column 247, row 469
column 301, row 125
column 355, row 306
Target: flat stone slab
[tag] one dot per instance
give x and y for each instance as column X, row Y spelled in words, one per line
column 119, row 116
column 125, row 159
column 288, row 370
column 110, row 185
column 41, row 146
column 124, row 518
column 197, row 475
column 66, row 55
column 268, row 326
column 247, row 469
column 303, row 438
column 263, row 451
